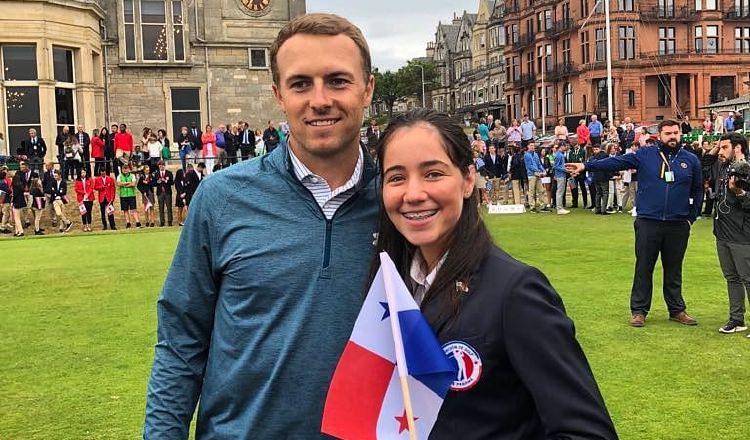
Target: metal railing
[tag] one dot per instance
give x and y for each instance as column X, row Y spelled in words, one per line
column 523, row 41
column 659, row 13
column 734, row 14
column 560, row 27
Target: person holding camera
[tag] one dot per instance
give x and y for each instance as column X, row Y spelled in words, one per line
column 732, row 191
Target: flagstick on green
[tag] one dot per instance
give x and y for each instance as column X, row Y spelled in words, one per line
column 403, row 372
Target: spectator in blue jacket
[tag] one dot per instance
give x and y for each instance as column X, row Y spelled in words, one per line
column 535, row 172
column 670, row 191
column 560, row 177
column 595, row 130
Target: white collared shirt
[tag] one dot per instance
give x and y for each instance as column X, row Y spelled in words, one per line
column 420, row 281
column 328, row 200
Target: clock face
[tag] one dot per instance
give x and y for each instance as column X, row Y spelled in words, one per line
column 256, row 7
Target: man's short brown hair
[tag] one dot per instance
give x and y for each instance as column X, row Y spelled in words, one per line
column 668, row 123
column 321, row 24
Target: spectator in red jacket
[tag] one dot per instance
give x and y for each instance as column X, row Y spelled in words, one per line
column 583, row 134
column 85, row 195
column 209, row 152
column 105, row 187
column 123, row 144
column 97, row 149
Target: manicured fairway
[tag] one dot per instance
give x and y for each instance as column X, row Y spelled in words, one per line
column 77, row 327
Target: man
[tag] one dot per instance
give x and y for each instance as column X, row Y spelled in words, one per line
column 729, row 122
column 561, row 178
column 47, row 179
column 57, row 192
column 664, row 217
column 528, row 131
column 595, row 131
column 85, row 140
column 600, row 180
column 164, row 181
column 6, row 201
column 123, row 141
column 373, row 134
column 535, row 172
column 127, row 184
column 22, row 188
column 578, row 155
column 241, row 327
column 739, row 122
column 732, row 236
column 517, row 171
column 495, row 171
column 270, row 137
column 34, row 148
column 632, row 188
column 247, row 141
column 60, row 142
column 221, row 145
column 195, row 136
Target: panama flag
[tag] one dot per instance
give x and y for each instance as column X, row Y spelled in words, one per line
column 393, row 374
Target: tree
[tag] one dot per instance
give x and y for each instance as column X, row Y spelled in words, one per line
column 391, row 87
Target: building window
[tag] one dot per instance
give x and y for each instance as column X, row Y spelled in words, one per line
column 601, row 40
column 742, row 40
column 585, row 49
column 565, row 9
column 712, row 39
column 21, row 88
column 666, row 41
column 707, row 5
column 568, row 98
column 665, row 8
column 662, row 91
column 698, row 39
column 532, row 105
column 530, row 62
column 627, row 42
column 599, row 7
column 566, row 51
column 162, row 30
column 631, row 98
column 258, row 58
column 585, row 8
column 548, row 95
column 625, row 5
column 601, row 93
column 514, row 34
column 530, row 27
column 186, row 109
column 742, row 8
column 62, row 60
column 516, row 68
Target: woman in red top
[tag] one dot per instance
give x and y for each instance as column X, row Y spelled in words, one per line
column 583, row 134
column 208, row 139
column 105, row 186
column 85, row 195
column 97, row 150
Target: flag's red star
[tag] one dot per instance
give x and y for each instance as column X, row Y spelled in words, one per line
column 403, row 422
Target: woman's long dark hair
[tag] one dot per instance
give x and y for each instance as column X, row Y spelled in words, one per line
column 470, row 241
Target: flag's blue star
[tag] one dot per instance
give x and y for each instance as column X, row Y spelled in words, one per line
column 386, row 312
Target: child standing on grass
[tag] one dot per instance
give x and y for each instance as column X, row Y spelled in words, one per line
column 38, row 203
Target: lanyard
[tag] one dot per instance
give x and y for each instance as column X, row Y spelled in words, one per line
column 665, row 164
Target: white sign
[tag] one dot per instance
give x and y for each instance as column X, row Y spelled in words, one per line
column 506, row 209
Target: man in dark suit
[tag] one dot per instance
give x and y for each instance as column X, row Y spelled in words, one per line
column 60, row 142
column 247, row 141
column 270, row 137
column 34, row 148
column 493, row 164
column 373, row 134
column 164, row 181
column 194, row 135
column 48, row 179
column 85, row 140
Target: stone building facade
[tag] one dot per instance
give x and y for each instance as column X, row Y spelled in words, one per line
column 146, row 63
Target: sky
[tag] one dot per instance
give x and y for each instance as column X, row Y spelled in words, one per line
column 395, row 30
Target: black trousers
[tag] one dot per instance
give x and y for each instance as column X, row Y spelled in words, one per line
column 105, row 217
column 601, row 196
column 654, row 238
column 580, row 181
column 86, row 218
column 165, row 202
column 247, row 151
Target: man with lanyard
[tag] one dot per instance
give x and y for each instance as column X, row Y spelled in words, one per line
column 665, row 214
column 34, row 148
column 528, row 130
column 595, row 130
column 247, row 142
column 732, row 236
column 241, row 327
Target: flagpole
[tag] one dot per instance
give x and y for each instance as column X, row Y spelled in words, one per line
column 403, row 371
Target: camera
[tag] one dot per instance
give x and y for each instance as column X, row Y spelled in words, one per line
column 740, row 170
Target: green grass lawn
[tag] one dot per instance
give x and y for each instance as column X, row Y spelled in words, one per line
column 78, row 325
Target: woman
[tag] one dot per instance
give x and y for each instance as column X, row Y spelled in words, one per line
column 561, row 132
column 38, row 203
column 260, row 144
column 479, row 145
column 18, row 186
column 583, row 134
column 73, row 152
column 154, row 150
column 478, row 299
column 547, row 160
column 514, row 132
column 209, row 148
column 179, row 188
column 707, row 125
column 146, row 188
column 481, row 180
column 613, row 137
column 84, row 188
column 97, row 150
column 166, row 147
column 144, row 144
column 109, row 148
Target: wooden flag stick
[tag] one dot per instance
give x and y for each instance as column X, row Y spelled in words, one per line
column 388, row 269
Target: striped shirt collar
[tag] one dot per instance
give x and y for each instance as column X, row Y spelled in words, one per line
column 329, row 200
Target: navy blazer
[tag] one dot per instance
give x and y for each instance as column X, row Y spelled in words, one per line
column 55, row 192
column 534, row 381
